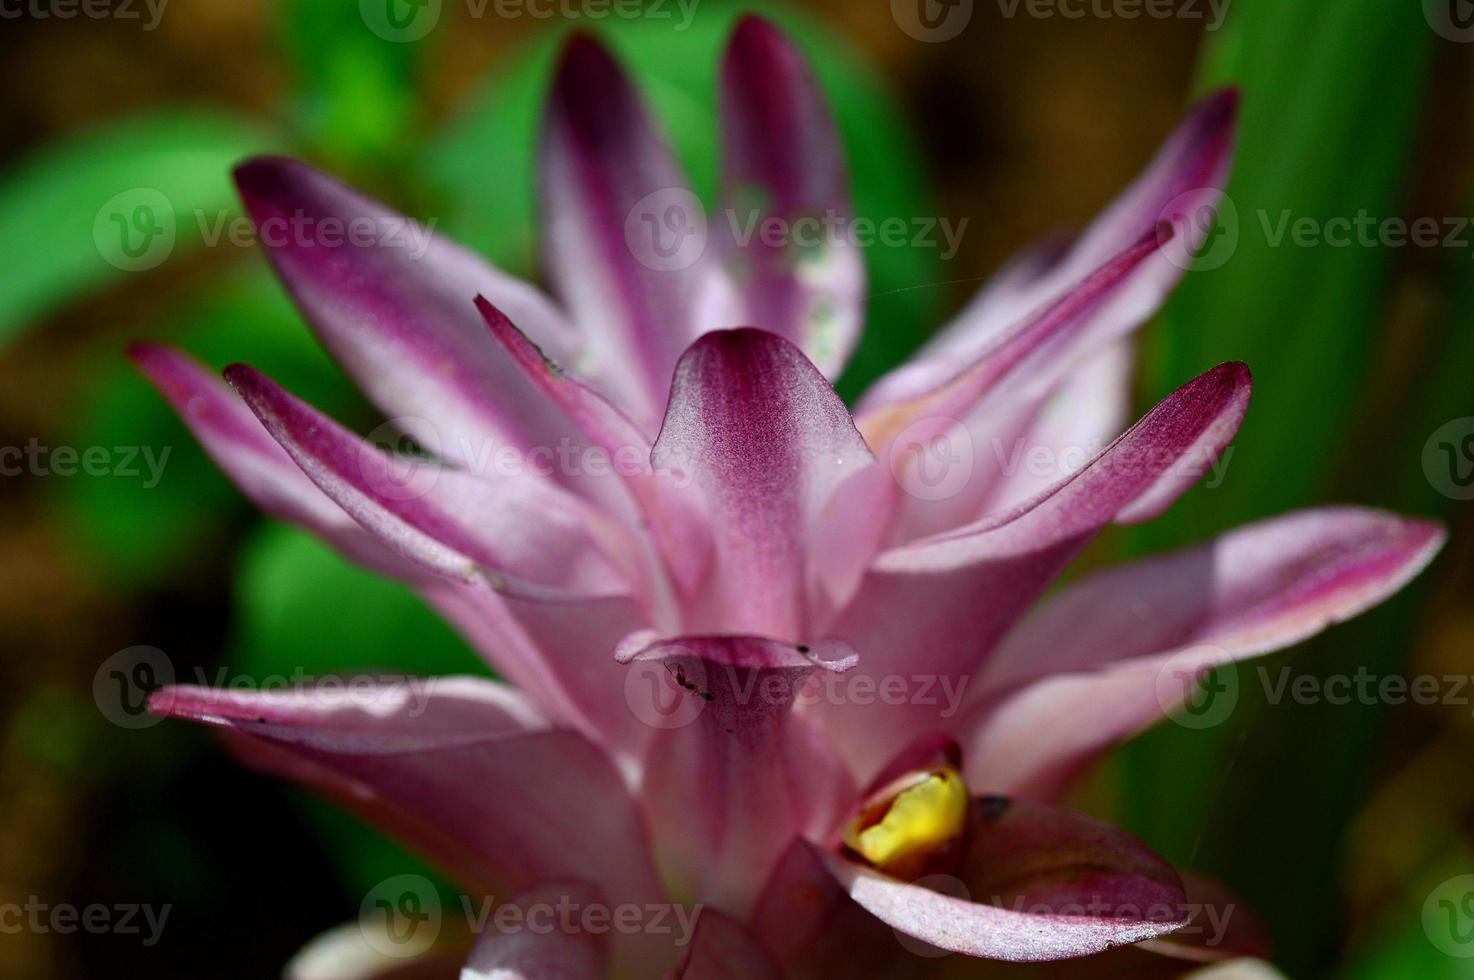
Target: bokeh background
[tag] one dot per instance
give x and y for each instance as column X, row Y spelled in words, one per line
column 1336, row 821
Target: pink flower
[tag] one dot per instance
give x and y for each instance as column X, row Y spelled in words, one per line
column 761, row 655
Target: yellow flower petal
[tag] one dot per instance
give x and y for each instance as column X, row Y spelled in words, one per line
column 922, row 818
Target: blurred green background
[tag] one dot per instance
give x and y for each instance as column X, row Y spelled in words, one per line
column 1334, row 821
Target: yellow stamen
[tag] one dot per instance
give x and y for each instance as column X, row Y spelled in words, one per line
column 922, row 819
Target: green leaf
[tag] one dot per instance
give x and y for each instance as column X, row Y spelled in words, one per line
column 355, row 100
column 1323, row 138
column 482, row 169
column 1408, row 955
column 1421, row 932
column 116, row 200
column 1325, row 135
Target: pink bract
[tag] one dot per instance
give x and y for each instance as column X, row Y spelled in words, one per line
column 683, row 635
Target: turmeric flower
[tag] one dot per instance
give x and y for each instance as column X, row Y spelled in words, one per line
column 760, row 654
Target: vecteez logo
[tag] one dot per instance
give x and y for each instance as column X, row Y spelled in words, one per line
column 400, row 21
column 933, row 458
column 1448, row 459
column 1448, row 917
column 932, row 21
column 123, row 683
column 135, row 230
column 1205, row 230
column 666, row 230
column 400, row 917
column 664, row 695
column 1451, row 19
column 1198, row 687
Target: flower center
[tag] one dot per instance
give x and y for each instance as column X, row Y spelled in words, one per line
column 917, row 820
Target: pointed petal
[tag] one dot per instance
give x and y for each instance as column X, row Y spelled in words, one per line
column 522, row 533
column 783, row 161
column 1038, row 883
column 604, row 168
column 522, row 641
column 937, row 441
column 460, row 768
column 1021, row 353
column 544, row 945
column 1116, row 651
column 1023, row 448
column 1188, row 173
column 729, row 783
column 678, row 529
column 235, row 440
column 934, row 609
column 1183, row 185
column 816, row 931
column 723, row 950
column 1258, row 588
column 1012, row 357
column 767, row 442
column 393, row 304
